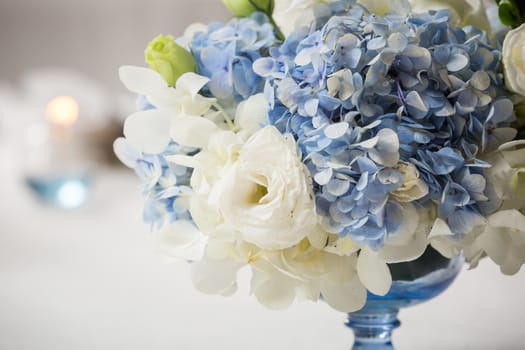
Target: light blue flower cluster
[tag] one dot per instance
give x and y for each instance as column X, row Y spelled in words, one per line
column 225, row 54
column 363, row 93
column 165, row 185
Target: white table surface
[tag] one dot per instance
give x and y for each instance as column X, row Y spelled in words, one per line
column 90, row 278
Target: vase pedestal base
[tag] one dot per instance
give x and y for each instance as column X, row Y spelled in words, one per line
column 373, row 328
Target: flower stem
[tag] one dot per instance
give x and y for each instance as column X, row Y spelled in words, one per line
column 226, row 117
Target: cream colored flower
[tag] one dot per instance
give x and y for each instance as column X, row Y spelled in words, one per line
column 413, row 186
column 514, row 60
column 293, row 14
column 306, row 272
column 259, row 192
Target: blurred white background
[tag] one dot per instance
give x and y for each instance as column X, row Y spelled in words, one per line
column 90, row 278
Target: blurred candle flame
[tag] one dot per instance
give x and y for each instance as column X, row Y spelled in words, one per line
column 62, row 111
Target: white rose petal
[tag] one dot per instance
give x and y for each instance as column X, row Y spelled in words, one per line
column 264, row 195
column 514, row 60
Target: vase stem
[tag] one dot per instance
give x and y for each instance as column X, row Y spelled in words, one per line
column 373, row 328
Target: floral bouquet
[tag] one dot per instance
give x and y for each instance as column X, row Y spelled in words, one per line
column 317, row 142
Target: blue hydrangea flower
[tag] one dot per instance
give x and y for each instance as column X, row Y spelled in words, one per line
column 225, row 54
column 165, row 185
column 361, row 93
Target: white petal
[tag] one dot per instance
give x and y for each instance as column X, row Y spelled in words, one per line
column 181, row 239
column 347, row 297
column 193, row 131
column 148, row 131
column 251, row 114
column 180, row 159
column 410, row 243
column 125, row 152
column 215, row 277
column 440, row 228
column 142, row 81
column 274, row 293
column 408, row 226
column 317, row 237
column 373, row 272
column 191, row 83
column 511, row 219
column 445, row 246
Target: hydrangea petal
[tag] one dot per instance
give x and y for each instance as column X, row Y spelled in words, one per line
column 457, row 62
column 336, row 130
column 373, row 272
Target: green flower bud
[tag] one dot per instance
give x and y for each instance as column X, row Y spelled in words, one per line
column 169, row 59
column 244, row 8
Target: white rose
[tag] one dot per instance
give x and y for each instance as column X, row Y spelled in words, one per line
column 259, row 192
column 293, row 14
column 266, row 196
column 514, row 60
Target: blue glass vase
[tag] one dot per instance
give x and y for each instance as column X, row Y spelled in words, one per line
column 413, row 283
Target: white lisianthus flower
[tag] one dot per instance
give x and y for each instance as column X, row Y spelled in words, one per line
column 514, row 60
column 260, row 193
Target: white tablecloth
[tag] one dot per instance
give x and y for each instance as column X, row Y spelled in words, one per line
column 90, row 278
